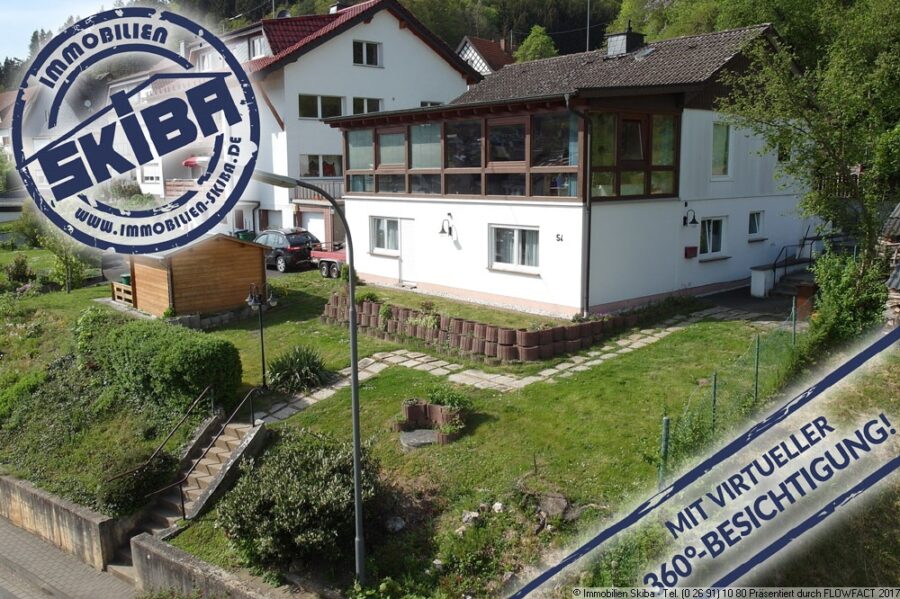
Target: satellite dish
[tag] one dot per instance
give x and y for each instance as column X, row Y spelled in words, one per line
column 283, row 13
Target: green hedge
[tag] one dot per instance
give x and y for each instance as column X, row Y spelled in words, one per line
column 156, row 362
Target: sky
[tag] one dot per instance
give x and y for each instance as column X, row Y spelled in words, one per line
column 18, row 18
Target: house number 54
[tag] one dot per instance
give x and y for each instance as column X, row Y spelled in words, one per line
column 559, row 237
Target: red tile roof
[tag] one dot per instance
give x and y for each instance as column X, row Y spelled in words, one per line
column 495, row 56
column 291, row 37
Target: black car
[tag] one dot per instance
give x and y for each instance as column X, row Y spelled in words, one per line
column 289, row 247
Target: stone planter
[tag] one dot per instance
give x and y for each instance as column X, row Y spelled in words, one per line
column 508, row 353
column 598, row 329
column 445, row 322
column 430, row 334
column 546, row 336
column 479, row 330
column 559, row 333
column 573, row 346
column 573, row 332
column 417, row 414
column 399, row 426
column 506, row 336
column 490, row 349
column 442, row 337
column 366, row 307
column 468, row 327
column 373, row 320
column 335, row 298
column 404, row 314
column 546, row 351
column 631, row 320
column 453, row 340
column 447, row 438
column 490, row 333
column 409, row 329
column 527, row 338
column 456, row 325
column 559, row 348
column 465, row 344
column 530, row 354
column 375, row 308
column 438, row 415
column 478, row 346
column 395, row 312
column 392, row 326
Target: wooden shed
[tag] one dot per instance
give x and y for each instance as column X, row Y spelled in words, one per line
column 209, row 276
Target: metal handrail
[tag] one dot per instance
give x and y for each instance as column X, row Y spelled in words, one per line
column 180, row 482
column 166, row 440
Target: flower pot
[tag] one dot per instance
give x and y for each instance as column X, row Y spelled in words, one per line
column 573, row 346
column 453, row 340
column 478, row 346
column 455, row 325
column 546, row 351
column 395, row 312
column 597, row 330
column 399, row 426
column 559, row 333
column 442, row 337
column 465, row 343
column 479, row 330
column 442, row 414
column 420, row 331
column 447, row 438
column 335, row 298
column 430, row 334
column 559, row 348
column 490, row 333
column 365, row 307
column 573, row 332
column 404, row 314
column 490, row 349
column 527, row 338
column 445, row 322
column 506, row 336
column 392, row 326
column 508, row 353
column 374, row 321
column 416, row 414
column 409, row 329
column 530, row 354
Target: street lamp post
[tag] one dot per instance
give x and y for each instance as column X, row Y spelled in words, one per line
column 291, row 183
column 256, row 300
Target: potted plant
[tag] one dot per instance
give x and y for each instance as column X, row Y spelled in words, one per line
column 450, row 431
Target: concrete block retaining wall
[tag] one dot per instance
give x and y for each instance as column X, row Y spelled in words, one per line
column 91, row 537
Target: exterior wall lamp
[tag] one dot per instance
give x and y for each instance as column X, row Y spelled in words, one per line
column 447, row 226
column 693, row 219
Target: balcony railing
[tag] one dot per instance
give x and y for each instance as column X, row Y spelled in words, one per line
column 334, row 186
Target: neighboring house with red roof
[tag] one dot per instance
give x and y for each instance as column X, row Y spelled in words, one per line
column 485, row 56
column 586, row 182
column 363, row 58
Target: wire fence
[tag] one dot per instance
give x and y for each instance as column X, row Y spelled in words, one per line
column 732, row 392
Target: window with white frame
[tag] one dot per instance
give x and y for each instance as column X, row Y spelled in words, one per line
column 257, row 47
column 721, row 150
column 367, row 54
column 428, row 103
column 515, row 248
column 712, row 231
column 321, row 165
column 366, row 105
column 755, row 224
column 319, row 107
column 385, row 234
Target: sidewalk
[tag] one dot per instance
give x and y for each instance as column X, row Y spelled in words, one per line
column 33, row 569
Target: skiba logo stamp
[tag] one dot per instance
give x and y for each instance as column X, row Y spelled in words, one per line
column 126, row 144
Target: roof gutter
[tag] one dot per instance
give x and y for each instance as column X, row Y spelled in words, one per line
column 586, row 211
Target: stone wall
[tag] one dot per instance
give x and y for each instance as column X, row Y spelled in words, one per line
column 159, row 566
column 91, row 537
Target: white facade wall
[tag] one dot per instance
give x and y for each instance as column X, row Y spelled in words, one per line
column 460, row 267
column 638, row 246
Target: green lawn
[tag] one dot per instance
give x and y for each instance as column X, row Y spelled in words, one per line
column 593, row 438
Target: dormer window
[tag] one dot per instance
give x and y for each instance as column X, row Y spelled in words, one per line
column 257, row 47
column 367, row 54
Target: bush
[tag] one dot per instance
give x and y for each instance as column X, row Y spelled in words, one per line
column 159, row 364
column 298, row 370
column 366, row 296
column 15, row 388
column 299, row 501
column 29, row 225
column 18, row 270
column 345, row 275
column 850, row 299
column 125, row 495
column 92, row 326
column 449, row 396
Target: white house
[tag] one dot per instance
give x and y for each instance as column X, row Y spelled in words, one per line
column 485, row 56
column 488, row 198
column 369, row 57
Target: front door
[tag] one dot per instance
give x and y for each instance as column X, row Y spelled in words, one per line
column 408, row 271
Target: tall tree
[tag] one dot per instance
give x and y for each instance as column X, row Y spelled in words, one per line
column 537, row 45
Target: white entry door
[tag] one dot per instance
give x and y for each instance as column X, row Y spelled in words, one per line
column 408, row 270
column 314, row 222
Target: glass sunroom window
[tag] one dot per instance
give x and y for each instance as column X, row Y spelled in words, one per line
column 632, row 140
column 663, row 151
column 361, row 146
column 426, row 145
column 554, row 140
column 603, row 139
column 720, row 143
column 506, row 143
column 391, row 149
column 463, row 144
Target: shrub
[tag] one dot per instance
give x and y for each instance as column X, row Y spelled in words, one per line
column 366, row 296
column 125, row 495
column 849, row 300
column 384, row 315
column 298, row 370
column 299, row 501
column 16, row 388
column 90, row 329
column 160, row 364
column 29, row 225
column 345, row 274
column 449, row 396
column 18, row 270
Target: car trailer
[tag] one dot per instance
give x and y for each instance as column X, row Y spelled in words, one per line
column 329, row 258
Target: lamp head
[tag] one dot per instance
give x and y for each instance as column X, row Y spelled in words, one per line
column 274, row 180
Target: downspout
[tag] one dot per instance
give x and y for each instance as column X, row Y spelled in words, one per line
column 586, row 211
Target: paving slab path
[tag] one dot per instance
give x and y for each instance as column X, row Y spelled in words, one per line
column 504, row 383
column 31, row 568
